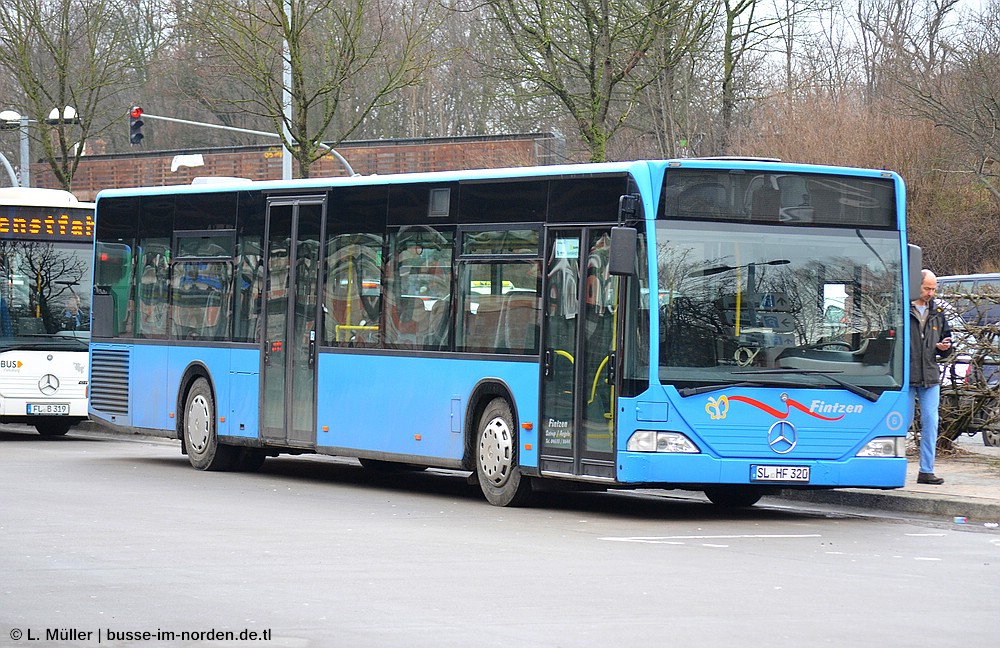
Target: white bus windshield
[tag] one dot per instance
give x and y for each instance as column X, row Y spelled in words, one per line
column 44, row 294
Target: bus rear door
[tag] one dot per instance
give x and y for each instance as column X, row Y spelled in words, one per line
column 288, row 402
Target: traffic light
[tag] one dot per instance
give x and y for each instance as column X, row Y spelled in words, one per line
column 135, row 126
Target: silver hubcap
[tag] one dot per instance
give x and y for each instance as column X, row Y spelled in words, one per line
column 198, row 423
column 496, row 451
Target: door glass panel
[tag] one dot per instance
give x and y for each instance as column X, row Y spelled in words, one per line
column 561, row 310
column 303, row 338
column 276, row 313
column 600, row 295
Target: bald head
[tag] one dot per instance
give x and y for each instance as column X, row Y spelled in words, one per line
column 928, row 286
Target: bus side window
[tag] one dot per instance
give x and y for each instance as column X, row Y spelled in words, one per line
column 152, row 282
column 248, row 286
column 200, row 299
column 351, row 290
column 500, row 307
column 418, row 277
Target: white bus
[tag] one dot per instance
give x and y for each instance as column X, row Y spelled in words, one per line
column 46, row 256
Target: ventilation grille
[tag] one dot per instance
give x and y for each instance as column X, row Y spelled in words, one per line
column 109, row 381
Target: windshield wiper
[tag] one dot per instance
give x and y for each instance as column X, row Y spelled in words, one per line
column 704, row 389
column 851, row 387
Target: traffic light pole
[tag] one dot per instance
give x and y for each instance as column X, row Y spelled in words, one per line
column 333, row 151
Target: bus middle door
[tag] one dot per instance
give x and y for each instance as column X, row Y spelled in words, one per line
column 288, row 353
column 578, row 388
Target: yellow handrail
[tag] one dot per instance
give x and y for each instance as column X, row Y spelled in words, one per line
column 352, row 327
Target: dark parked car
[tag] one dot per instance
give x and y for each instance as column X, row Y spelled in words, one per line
column 970, row 380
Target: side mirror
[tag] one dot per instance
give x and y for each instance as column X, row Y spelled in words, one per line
column 622, row 257
column 915, row 263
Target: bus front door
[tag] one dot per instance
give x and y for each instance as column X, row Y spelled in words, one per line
column 578, row 390
column 288, row 352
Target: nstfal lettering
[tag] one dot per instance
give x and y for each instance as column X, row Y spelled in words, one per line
column 61, row 225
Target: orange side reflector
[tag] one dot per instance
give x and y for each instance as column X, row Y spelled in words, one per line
column 326, row 428
column 171, row 415
column 222, row 419
column 416, row 437
column 527, row 446
column 527, row 426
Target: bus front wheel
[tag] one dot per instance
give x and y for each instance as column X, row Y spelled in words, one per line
column 496, row 457
column 733, row 496
column 200, row 440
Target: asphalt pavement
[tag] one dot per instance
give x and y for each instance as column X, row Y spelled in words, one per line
column 970, row 493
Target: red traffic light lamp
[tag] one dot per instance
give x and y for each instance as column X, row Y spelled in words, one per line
column 135, row 126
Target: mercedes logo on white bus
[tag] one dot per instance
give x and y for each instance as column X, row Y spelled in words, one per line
column 782, row 437
column 48, row 384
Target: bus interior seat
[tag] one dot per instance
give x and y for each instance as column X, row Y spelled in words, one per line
column 518, row 326
column 766, row 205
column 438, row 320
column 408, row 321
column 704, row 199
column 877, row 350
column 483, row 326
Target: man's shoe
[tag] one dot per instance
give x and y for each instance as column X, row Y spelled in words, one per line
column 929, row 478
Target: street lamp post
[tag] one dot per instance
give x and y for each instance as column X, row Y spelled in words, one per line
column 25, row 153
column 11, row 119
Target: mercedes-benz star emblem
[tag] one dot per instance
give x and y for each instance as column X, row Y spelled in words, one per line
column 782, row 437
column 48, row 384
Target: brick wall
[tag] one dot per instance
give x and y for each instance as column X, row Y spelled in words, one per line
column 157, row 168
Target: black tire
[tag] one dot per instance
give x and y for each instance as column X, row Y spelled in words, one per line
column 249, row 459
column 991, row 436
column 52, row 428
column 496, row 457
column 733, row 496
column 200, row 439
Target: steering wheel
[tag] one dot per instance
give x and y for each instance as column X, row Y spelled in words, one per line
column 831, row 343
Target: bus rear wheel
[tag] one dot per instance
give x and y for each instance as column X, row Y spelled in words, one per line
column 200, row 439
column 52, row 428
column 496, row 457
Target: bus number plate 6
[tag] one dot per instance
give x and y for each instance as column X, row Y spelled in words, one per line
column 779, row 473
column 48, row 409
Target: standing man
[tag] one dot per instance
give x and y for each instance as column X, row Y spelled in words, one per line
column 930, row 339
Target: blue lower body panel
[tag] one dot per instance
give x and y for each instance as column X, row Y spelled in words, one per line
column 665, row 469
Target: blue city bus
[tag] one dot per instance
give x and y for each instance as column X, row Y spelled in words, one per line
column 721, row 325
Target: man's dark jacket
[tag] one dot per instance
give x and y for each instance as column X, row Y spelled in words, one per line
column 924, row 354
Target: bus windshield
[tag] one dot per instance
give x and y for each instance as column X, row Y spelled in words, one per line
column 44, row 294
column 749, row 303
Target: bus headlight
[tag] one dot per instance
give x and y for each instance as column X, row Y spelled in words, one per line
column 884, row 447
column 652, row 441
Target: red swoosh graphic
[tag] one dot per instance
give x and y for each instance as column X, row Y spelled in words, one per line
column 789, row 403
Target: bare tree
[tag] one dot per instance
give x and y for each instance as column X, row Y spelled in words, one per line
column 747, row 29
column 962, row 92
column 346, row 60
column 675, row 115
column 65, row 53
column 592, row 55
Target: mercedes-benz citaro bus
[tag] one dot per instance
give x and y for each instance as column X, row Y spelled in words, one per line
column 46, row 256
column 654, row 324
